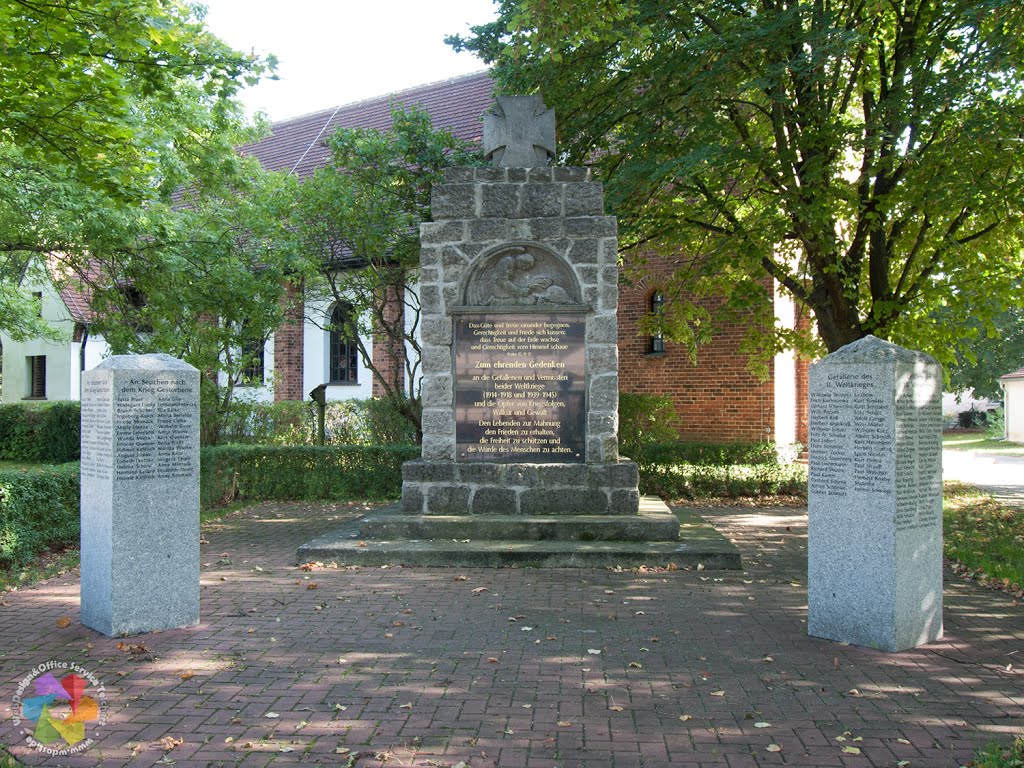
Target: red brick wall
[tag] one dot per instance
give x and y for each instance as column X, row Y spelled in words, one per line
column 802, row 366
column 388, row 353
column 288, row 358
column 717, row 400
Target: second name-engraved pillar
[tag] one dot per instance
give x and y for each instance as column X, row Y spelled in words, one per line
column 140, row 495
column 874, row 554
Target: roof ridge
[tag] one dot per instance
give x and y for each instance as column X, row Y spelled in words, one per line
column 369, row 99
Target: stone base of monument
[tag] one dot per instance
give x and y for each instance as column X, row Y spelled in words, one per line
column 655, row 535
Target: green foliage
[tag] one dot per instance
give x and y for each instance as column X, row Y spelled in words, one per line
column 685, row 480
column 118, row 128
column 996, row 755
column 374, row 421
column 40, row 432
column 984, row 538
column 385, row 422
column 700, row 470
column 645, row 419
column 995, row 424
column 864, row 155
column 358, row 218
column 990, row 350
column 39, row 509
column 254, row 473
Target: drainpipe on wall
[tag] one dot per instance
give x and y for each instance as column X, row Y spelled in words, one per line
column 1006, row 421
column 81, row 350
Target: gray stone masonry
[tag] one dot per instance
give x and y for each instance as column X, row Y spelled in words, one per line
column 875, row 497
column 478, row 210
column 140, row 495
column 486, row 488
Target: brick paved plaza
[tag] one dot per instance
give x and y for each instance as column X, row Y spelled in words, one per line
column 512, row 667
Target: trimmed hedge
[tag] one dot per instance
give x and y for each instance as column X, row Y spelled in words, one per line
column 699, row 470
column 38, row 511
column 257, row 472
column 695, row 481
column 49, row 433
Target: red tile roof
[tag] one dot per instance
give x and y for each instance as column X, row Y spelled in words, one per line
column 77, row 302
column 299, row 145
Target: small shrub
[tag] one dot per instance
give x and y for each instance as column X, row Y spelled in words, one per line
column 644, row 420
column 39, row 510
column 49, row 433
column 971, row 419
column 384, row 422
column 995, row 427
column 287, row 422
column 374, row 421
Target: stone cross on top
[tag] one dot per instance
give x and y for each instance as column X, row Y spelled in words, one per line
column 519, row 132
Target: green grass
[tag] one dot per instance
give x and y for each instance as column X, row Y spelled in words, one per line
column 983, row 536
column 45, row 566
column 998, row 756
column 979, row 441
column 6, row 761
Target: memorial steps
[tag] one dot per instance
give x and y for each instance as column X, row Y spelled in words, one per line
column 655, row 536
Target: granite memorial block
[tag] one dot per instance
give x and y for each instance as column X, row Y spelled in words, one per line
column 875, row 497
column 140, row 495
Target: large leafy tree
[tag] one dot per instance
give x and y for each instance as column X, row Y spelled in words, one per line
column 115, row 116
column 357, row 218
column 118, row 174
column 865, row 154
column 989, row 354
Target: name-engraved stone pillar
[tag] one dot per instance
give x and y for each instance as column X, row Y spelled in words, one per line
column 140, row 495
column 875, row 497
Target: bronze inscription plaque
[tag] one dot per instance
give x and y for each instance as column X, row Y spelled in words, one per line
column 520, row 387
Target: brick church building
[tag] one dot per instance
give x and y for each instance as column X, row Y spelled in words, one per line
column 717, row 399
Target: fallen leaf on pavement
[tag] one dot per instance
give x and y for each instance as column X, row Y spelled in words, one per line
column 167, row 743
column 773, row 748
column 64, row 622
column 762, row 725
column 851, row 750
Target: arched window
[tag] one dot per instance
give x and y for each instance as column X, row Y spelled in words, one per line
column 657, row 345
column 344, row 362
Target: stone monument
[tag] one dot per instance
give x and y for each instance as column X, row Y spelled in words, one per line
column 875, row 497
column 140, row 495
column 518, row 291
